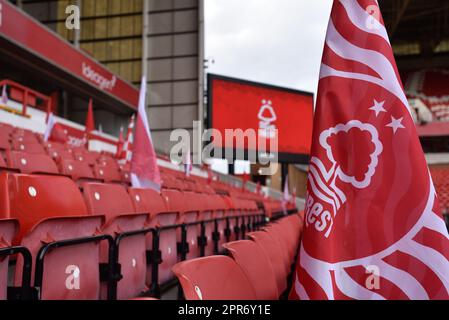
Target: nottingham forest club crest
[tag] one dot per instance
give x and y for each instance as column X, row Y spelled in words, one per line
column 334, row 175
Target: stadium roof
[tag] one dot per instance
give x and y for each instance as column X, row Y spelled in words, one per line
column 419, row 32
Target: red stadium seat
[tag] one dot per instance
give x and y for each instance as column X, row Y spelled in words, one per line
column 59, row 155
column 70, row 273
column 56, row 146
column 24, row 135
column 77, row 170
column 147, row 201
column 213, row 278
column 8, row 229
column 46, row 217
column 256, row 266
column 115, row 203
column 5, row 143
column 150, row 201
column 33, row 198
column 6, row 130
column 274, row 253
column 107, row 173
column 83, row 155
column 183, row 203
column 28, row 147
column 31, row 163
column 2, row 162
column 284, row 237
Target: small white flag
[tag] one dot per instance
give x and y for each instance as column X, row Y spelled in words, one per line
column 4, row 95
column 50, row 124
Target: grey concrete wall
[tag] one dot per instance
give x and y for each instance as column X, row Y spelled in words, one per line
column 173, row 66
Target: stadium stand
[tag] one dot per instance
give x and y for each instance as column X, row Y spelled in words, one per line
column 65, row 228
column 440, row 176
column 429, row 85
column 261, row 269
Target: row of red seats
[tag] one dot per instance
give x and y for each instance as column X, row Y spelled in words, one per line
column 258, row 268
column 51, row 210
column 26, row 151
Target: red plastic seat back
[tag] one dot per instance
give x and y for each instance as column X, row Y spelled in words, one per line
column 107, row 173
column 256, row 266
column 274, row 255
column 76, row 169
column 5, row 144
column 8, row 229
column 70, row 273
column 33, row 198
column 28, row 147
column 24, row 135
column 6, row 130
column 59, row 155
column 83, row 155
column 147, row 201
column 213, row 278
column 175, row 200
column 31, row 163
column 2, row 162
column 110, row 200
column 115, row 203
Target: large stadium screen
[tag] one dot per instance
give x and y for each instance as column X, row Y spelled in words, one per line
column 239, row 104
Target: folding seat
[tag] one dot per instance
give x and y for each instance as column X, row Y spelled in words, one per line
column 207, row 223
column 5, row 143
column 274, row 253
column 28, row 147
column 170, row 182
column 6, row 129
column 83, row 155
column 283, row 235
column 256, row 266
column 24, row 135
column 2, row 162
column 56, row 146
column 147, row 201
column 152, row 202
column 188, row 207
column 59, row 154
column 113, row 201
column 77, row 170
column 216, row 231
column 107, row 173
column 107, row 160
column 8, row 229
column 67, row 272
column 213, row 278
column 31, row 163
column 234, row 219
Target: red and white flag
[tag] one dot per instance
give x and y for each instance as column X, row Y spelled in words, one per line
column 126, row 154
column 4, row 99
column 51, row 121
column 120, row 143
column 144, row 169
column 90, row 123
column 372, row 227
